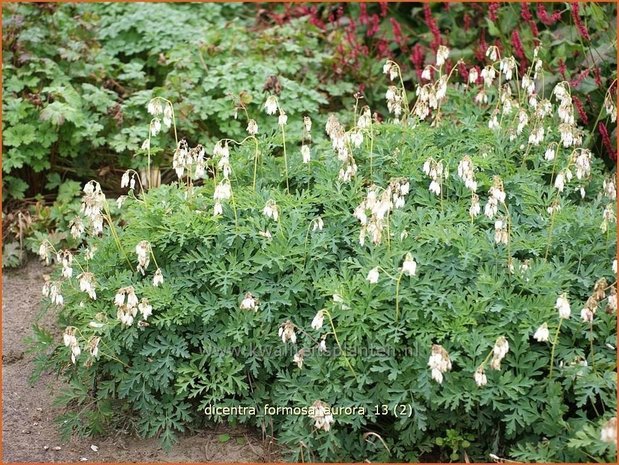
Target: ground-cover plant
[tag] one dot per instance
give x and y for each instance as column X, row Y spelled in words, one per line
column 436, row 286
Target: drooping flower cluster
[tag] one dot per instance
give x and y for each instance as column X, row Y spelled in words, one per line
column 45, row 252
column 128, row 179
column 409, row 266
column 609, row 431
column 223, row 190
column 501, row 233
column 373, row 275
column 128, row 305
column 77, row 227
column 93, row 346
column 373, row 212
column 87, row 284
column 499, row 351
column 563, row 306
column 158, row 278
column 437, row 173
column 51, row 289
column 592, row 303
column 340, row 142
column 571, row 135
column 581, row 159
column 554, row 207
column 439, row 362
column 610, row 188
column 395, row 98
column 610, row 107
column 307, row 139
column 189, row 162
column 320, row 413
column 71, row 341
column 65, row 257
column 318, row 224
column 93, row 203
column 430, row 96
column 143, row 251
column 162, row 112
column 391, row 68
column 365, row 119
column 270, row 105
column 466, row 172
column 507, row 65
column 480, row 376
column 287, row 333
column 488, row 74
column 497, row 196
column 271, row 210
column 608, row 216
column 299, row 357
column 562, row 177
column 249, row 302
column 252, row 127
column 542, row 333
column 318, row 320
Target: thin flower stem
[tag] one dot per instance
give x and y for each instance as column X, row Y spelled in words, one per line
column 233, row 203
column 483, row 364
column 404, row 96
column 388, row 232
column 591, row 345
column 173, row 118
column 438, row 109
column 371, row 147
column 285, row 157
column 337, row 341
column 108, row 218
column 311, row 223
column 153, row 256
column 397, row 295
column 554, row 343
column 255, row 164
column 550, row 230
column 386, row 272
column 111, row 357
column 509, row 235
column 149, row 173
column 140, row 183
column 56, row 252
column 306, row 333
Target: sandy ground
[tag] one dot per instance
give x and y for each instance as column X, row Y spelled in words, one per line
column 29, row 432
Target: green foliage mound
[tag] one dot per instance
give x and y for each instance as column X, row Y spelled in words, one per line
column 365, row 279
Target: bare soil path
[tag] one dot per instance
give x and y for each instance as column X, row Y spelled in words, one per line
column 29, row 431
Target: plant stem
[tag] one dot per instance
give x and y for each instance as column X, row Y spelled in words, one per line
column 550, row 229
column 338, row 343
column 397, row 295
column 108, row 218
column 255, row 164
column 591, row 345
column 371, row 147
column 285, row 158
column 554, row 343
